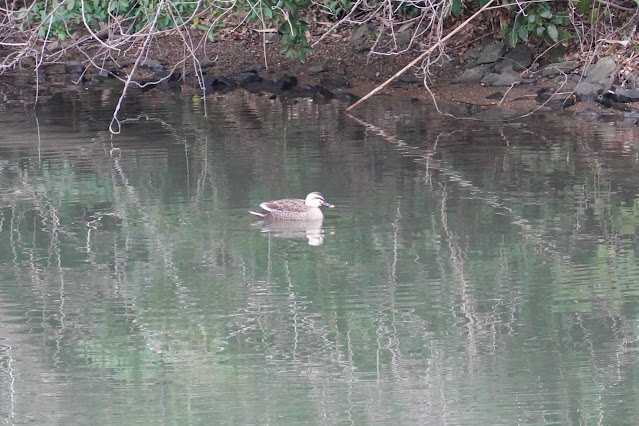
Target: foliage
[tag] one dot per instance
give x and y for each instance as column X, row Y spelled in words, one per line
column 538, row 20
column 57, row 19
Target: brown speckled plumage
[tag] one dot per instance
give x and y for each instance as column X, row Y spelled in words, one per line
column 293, row 208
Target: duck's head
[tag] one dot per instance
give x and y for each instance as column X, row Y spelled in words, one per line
column 316, row 199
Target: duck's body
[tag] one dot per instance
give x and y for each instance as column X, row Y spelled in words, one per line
column 294, row 208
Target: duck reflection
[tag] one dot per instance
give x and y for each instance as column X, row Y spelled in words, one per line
column 309, row 229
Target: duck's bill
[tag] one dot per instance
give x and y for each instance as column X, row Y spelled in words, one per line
column 329, row 205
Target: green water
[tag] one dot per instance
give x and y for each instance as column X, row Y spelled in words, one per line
column 470, row 273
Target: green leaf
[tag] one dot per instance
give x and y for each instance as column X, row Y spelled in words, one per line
column 512, row 38
column 584, row 5
column 523, row 33
column 546, row 14
column 456, row 7
column 552, row 32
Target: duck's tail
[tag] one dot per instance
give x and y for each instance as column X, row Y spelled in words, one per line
column 259, row 214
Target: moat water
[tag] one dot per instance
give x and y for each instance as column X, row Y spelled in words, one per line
column 470, row 273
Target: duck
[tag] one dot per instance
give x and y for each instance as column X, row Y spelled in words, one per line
column 291, row 209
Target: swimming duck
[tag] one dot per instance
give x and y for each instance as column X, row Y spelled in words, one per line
column 294, row 208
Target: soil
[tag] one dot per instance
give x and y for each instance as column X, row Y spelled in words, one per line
column 361, row 69
column 364, row 72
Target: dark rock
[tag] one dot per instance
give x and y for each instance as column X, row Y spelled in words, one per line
column 406, row 80
column 335, row 83
column 507, row 79
column 490, row 79
column 562, row 103
column 244, row 77
column 256, row 67
column 322, row 95
column 503, row 79
column 472, row 54
column 208, row 80
column 403, row 38
column 601, row 70
column 152, row 64
column 491, row 53
column 273, row 37
column 587, row 91
column 316, row 69
column 285, row 82
column 521, row 57
column 589, row 113
column 473, row 75
column 363, row 34
column 346, row 97
column 555, row 54
column 224, row 84
column 631, row 94
column 495, row 96
column 553, row 70
column 74, row 67
column 206, row 64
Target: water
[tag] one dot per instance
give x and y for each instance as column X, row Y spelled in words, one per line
column 471, row 273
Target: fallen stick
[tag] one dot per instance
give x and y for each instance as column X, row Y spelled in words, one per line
column 420, row 57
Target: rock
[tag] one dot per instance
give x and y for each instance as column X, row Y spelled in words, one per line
column 74, row 67
column 503, row 66
column 521, row 57
column 223, row 83
column 403, row 38
column 363, row 34
column 589, row 113
column 632, row 95
column 153, row 65
column 449, row 63
column 473, row 75
column 316, row 69
column 507, row 79
column 492, row 53
column 346, row 97
column 244, row 77
column 334, row 83
column 322, row 95
column 553, row 70
column 588, row 90
column 285, row 82
column 503, row 79
column 472, row 54
column 555, row 54
column 490, row 79
column 601, row 70
column 273, row 37
column 495, row 96
column 206, row 64
column 256, row 68
column 407, row 80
